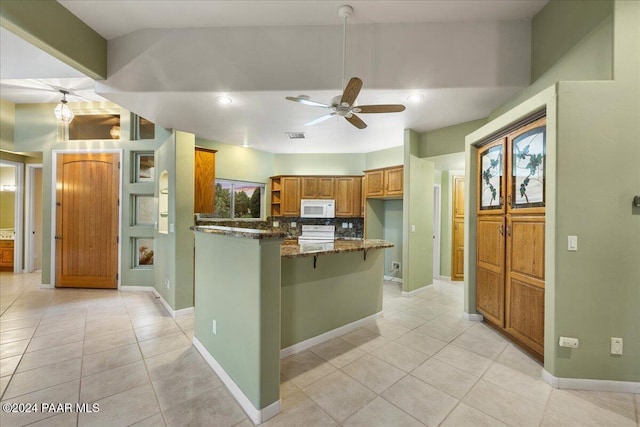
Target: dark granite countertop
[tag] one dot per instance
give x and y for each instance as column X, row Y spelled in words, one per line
column 291, row 249
column 244, row 233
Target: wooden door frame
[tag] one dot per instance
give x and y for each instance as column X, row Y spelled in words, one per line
column 29, row 222
column 54, row 174
column 18, row 224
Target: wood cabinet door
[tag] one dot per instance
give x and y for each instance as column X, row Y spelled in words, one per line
column 308, row 187
column 348, row 194
column 457, row 235
column 525, row 280
column 393, row 181
column 490, row 268
column 204, row 180
column 326, row 187
column 457, row 250
column 290, row 196
column 374, row 183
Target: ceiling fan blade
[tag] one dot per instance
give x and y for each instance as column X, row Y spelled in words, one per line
column 307, row 102
column 383, row 108
column 320, row 119
column 351, row 91
column 356, row 121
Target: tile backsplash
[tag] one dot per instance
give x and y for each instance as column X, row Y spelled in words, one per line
column 285, row 224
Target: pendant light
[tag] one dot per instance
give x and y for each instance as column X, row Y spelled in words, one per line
column 63, row 111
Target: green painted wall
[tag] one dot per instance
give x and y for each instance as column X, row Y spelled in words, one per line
column 36, row 131
column 319, row 164
column 393, row 233
column 342, row 289
column 381, row 159
column 240, row 163
column 589, row 59
column 559, row 27
column 238, row 285
column 184, row 201
column 51, row 27
column 7, row 122
column 447, row 140
column 417, row 250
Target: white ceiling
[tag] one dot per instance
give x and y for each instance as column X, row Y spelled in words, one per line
column 168, row 60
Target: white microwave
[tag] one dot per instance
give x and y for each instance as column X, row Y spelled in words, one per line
column 317, row 208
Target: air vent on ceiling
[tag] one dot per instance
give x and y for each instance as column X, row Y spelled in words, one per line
column 295, row 135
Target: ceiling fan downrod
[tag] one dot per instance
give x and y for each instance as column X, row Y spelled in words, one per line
column 344, row 12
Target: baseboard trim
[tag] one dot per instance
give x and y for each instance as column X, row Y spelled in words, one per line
column 392, row 279
column 345, row 329
column 591, row 385
column 414, row 292
column 46, row 286
column 170, row 310
column 473, row 316
column 258, row 416
column 445, row 278
column 137, row 288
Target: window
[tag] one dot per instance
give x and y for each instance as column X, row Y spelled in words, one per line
column 144, row 164
column 94, row 126
column 237, row 199
column 144, row 209
column 141, row 128
column 143, row 254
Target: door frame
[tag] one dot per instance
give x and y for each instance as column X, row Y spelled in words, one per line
column 54, row 174
column 29, row 217
column 437, row 220
column 18, row 225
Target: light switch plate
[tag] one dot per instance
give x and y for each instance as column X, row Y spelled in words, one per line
column 568, row 342
column 572, row 243
column 616, row 345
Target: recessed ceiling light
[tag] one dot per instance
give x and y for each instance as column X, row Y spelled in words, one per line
column 224, row 100
column 415, row 98
column 296, row 135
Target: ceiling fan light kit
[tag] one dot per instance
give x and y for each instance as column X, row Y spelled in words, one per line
column 345, row 105
column 63, row 111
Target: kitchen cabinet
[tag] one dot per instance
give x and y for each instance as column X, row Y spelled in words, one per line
column 384, row 183
column 285, row 196
column 6, row 255
column 457, row 239
column 287, row 191
column 348, row 191
column 317, row 187
column 510, row 243
column 204, row 180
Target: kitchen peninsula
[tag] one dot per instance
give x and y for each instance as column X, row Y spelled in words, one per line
column 256, row 295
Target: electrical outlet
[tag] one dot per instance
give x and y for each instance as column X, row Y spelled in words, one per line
column 214, row 327
column 167, row 283
column 568, row 342
column 345, row 225
column 276, row 224
column 293, row 224
column 395, row 266
column 350, row 225
column 616, row 345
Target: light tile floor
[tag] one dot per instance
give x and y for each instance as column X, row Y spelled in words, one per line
column 423, row 364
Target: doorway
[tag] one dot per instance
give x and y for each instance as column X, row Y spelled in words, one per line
column 11, row 191
column 436, row 231
column 33, row 218
column 87, row 220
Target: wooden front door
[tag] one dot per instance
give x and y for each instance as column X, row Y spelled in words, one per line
column 457, row 238
column 87, row 220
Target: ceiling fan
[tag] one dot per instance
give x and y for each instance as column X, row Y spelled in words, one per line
column 344, row 105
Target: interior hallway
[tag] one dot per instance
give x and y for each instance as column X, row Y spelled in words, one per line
column 420, row 365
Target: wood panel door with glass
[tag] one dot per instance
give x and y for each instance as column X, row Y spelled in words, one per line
column 511, row 232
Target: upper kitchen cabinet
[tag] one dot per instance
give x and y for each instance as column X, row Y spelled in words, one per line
column 285, row 196
column 204, row 180
column 384, row 183
column 348, row 191
column 317, row 187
